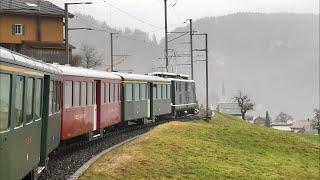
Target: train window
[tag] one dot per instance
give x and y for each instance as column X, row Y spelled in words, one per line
column 159, row 91
column 68, row 94
column 94, row 85
column 50, row 97
column 89, row 91
column 76, row 95
column 119, row 92
column 116, row 92
column 102, row 91
column 168, row 91
column 58, row 95
column 83, row 93
column 179, row 86
column 186, row 86
column 38, row 98
column 18, row 111
column 29, row 100
column 164, row 91
column 5, row 87
column 128, row 92
column 143, row 91
column 136, row 92
column 147, row 90
column 54, row 97
column 107, row 98
column 155, row 91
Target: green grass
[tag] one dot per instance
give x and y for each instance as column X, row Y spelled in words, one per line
column 224, row 148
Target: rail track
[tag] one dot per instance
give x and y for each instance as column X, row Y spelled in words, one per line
column 66, row 160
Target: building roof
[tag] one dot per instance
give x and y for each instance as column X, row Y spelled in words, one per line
column 300, row 124
column 46, row 45
column 31, row 7
column 22, row 60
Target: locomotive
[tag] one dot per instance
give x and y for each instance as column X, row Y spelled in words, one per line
column 43, row 105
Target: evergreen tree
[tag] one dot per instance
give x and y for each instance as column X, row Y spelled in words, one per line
column 267, row 122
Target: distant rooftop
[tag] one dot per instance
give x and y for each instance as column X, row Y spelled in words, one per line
column 31, row 7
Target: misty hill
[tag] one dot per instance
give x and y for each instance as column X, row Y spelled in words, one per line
column 273, row 57
column 134, row 43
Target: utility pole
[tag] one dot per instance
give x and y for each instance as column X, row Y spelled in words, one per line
column 66, row 34
column 166, row 34
column 66, row 27
column 191, row 48
column 207, row 83
column 207, row 74
column 111, row 49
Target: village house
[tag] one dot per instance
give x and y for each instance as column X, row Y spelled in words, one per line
column 259, row 121
column 34, row 28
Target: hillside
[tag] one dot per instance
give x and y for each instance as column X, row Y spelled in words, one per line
column 225, row 148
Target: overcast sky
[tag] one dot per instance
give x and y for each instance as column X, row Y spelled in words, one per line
column 151, row 12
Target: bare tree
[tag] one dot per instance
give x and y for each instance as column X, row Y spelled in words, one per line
column 283, row 118
column 316, row 121
column 244, row 103
column 76, row 60
column 91, row 58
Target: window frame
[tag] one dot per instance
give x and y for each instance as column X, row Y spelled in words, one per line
column 21, row 29
column 66, row 94
column 37, row 80
column 16, row 125
column 10, row 102
column 32, row 102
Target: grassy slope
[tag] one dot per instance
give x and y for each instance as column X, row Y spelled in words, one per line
column 225, row 148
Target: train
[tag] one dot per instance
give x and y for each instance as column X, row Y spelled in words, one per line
column 44, row 105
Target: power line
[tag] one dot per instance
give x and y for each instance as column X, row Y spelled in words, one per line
column 130, row 15
column 178, row 37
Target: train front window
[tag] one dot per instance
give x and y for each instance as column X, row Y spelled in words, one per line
column 38, row 90
column 5, row 87
column 67, row 94
column 19, row 101
column 29, row 100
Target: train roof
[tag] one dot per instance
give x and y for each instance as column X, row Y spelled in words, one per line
column 181, row 80
column 141, row 77
column 25, row 61
column 83, row 72
column 169, row 75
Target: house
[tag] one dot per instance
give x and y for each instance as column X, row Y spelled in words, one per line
column 259, row 121
column 34, row 28
column 230, row 107
column 303, row 126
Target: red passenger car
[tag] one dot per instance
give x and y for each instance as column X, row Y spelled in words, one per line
column 90, row 103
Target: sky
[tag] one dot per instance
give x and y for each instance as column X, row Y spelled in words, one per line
column 148, row 15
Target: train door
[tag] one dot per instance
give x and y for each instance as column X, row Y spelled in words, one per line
column 95, row 110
